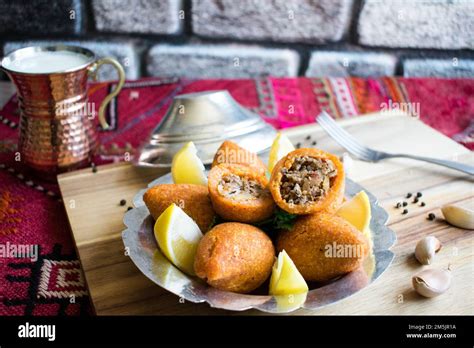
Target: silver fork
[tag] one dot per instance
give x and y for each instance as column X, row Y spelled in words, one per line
column 364, row 153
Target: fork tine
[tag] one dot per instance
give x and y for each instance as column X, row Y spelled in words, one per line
column 348, row 146
column 354, row 150
column 343, row 142
column 333, row 124
column 342, row 137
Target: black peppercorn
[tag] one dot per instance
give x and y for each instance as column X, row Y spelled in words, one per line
column 419, row 194
column 405, row 211
column 408, row 195
column 123, row 202
column 431, row 216
column 314, row 143
column 423, row 204
column 415, row 200
column 298, row 145
column 404, row 204
column 308, row 137
column 398, row 205
column 129, row 208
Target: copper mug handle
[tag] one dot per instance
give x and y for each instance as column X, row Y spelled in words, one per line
column 121, row 73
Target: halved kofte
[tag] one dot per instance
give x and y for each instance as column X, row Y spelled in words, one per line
column 308, row 180
column 239, row 193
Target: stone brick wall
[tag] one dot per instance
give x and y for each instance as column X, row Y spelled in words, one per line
column 242, row 38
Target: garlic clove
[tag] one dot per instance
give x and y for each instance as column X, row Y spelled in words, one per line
column 347, row 163
column 426, row 248
column 459, row 216
column 432, row 282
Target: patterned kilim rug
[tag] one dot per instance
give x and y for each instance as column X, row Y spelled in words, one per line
column 31, row 211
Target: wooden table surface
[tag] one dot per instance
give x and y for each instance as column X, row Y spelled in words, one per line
column 117, row 287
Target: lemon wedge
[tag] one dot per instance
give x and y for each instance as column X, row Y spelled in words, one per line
column 187, row 168
column 281, row 147
column 286, row 279
column 178, row 237
column 357, row 212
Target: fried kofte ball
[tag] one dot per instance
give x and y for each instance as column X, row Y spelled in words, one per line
column 324, row 246
column 231, row 153
column 234, row 257
column 239, row 193
column 306, row 181
column 193, row 199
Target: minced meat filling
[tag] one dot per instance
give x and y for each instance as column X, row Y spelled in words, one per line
column 307, row 180
column 235, row 187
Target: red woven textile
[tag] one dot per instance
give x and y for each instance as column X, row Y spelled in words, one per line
column 31, row 211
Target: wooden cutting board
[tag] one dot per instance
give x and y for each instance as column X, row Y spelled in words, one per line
column 117, row 287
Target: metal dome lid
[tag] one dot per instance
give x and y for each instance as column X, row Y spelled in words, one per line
column 207, row 119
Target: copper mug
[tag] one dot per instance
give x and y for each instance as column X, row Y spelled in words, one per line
column 57, row 128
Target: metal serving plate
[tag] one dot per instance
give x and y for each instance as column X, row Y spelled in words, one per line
column 144, row 251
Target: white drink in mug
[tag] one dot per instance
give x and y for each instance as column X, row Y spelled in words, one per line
column 51, row 83
column 45, row 62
